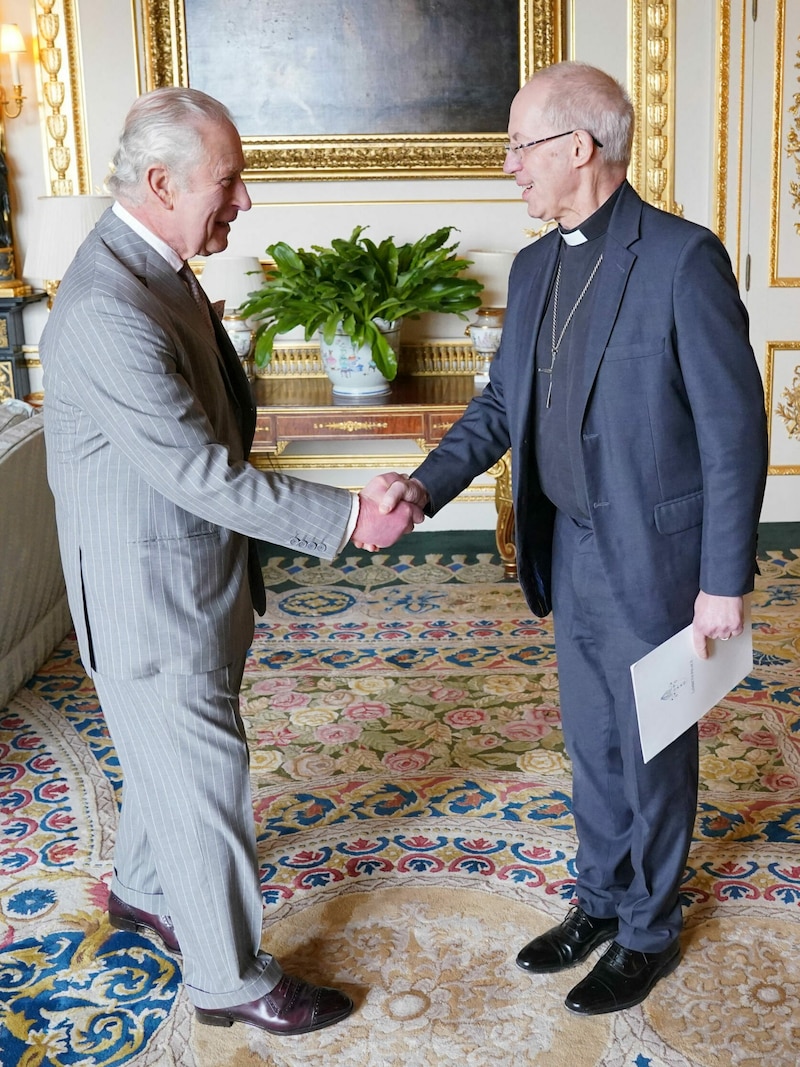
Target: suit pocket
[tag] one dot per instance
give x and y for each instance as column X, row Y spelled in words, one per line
column 203, row 531
column 642, row 350
column 673, row 516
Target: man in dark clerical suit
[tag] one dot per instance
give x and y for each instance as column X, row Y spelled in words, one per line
column 148, row 422
column 626, row 387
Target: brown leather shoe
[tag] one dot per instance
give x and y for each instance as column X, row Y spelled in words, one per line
column 292, row 1007
column 568, row 943
column 124, row 916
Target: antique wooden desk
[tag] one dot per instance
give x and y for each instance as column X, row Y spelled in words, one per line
column 420, row 408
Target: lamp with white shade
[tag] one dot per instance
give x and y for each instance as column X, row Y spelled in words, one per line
column 60, row 225
column 492, row 268
column 230, row 279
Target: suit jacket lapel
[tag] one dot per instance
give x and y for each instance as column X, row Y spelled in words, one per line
column 157, row 275
column 612, row 279
column 533, row 301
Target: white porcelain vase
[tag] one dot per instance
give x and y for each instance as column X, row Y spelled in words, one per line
column 350, row 367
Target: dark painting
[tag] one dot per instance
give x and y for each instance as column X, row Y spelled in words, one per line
column 341, row 67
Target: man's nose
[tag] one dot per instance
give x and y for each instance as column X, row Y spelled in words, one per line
column 242, row 200
column 512, row 163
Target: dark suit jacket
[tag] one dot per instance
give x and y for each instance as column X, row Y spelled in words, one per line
column 671, row 416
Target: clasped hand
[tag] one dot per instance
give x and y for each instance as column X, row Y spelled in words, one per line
column 390, row 506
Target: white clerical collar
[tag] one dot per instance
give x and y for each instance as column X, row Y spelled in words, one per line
column 573, row 237
column 163, row 249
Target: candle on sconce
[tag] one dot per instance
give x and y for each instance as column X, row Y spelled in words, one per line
column 12, row 43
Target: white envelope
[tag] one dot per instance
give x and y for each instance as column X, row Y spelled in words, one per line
column 674, row 688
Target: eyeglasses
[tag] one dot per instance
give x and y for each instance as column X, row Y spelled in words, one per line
column 518, row 149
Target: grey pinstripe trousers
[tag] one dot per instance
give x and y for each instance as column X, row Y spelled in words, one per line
column 186, row 842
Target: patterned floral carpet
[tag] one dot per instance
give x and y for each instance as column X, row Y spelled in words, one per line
column 412, row 799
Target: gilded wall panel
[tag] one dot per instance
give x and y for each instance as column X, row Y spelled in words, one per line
column 652, row 89
column 728, row 172
column 59, row 84
column 782, row 389
column 784, row 253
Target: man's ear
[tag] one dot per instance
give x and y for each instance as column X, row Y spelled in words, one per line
column 159, row 182
column 583, row 147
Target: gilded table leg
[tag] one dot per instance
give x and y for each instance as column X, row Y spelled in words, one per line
column 504, row 531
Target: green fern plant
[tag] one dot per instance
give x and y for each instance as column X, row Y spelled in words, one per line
column 356, row 282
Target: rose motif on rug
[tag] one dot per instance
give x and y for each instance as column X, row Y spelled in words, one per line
column 412, row 803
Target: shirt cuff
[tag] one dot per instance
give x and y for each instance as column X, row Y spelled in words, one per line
column 355, row 505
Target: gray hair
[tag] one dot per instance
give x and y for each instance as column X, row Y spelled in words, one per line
column 163, row 126
column 582, row 97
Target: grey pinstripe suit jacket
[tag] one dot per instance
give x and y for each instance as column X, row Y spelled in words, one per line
column 148, row 424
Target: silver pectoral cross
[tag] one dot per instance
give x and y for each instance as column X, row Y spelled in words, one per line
column 549, row 370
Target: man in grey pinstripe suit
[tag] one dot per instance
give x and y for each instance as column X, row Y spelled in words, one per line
column 148, row 421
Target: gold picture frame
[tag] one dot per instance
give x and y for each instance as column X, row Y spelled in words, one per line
column 782, row 398
column 366, row 154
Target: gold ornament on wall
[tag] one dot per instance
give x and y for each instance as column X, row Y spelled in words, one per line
column 6, row 381
column 652, row 91
column 783, row 271
column 58, row 56
column 793, row 148
column 788, row 409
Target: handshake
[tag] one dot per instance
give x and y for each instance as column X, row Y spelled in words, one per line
column 390, row 505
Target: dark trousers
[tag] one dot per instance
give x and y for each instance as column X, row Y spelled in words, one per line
column 634, row 820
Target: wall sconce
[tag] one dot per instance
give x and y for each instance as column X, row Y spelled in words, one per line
column 59, row 227
column 12, row 45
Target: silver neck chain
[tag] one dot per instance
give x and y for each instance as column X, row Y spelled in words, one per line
column 555, row 343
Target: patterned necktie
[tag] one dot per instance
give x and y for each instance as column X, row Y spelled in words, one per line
column 186, row 274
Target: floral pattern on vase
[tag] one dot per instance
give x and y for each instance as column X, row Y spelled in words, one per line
column 351, row 368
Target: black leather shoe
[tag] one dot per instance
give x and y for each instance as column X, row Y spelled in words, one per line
column 124, row 916
column 566, row 944
column 292, row 1007
column 621, row 978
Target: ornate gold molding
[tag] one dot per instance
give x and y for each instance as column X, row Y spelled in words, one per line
column 788, row 409
column 723, row 116
column 352, row 425
column 428, row 358
column 6, row 380
column 793, row 148
column 778, row 149
column 652, row 81
column 506, row 527
column 784, row 407
column 60, row 91
column 164, row 27
column 730, row 54
column 357, row 156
